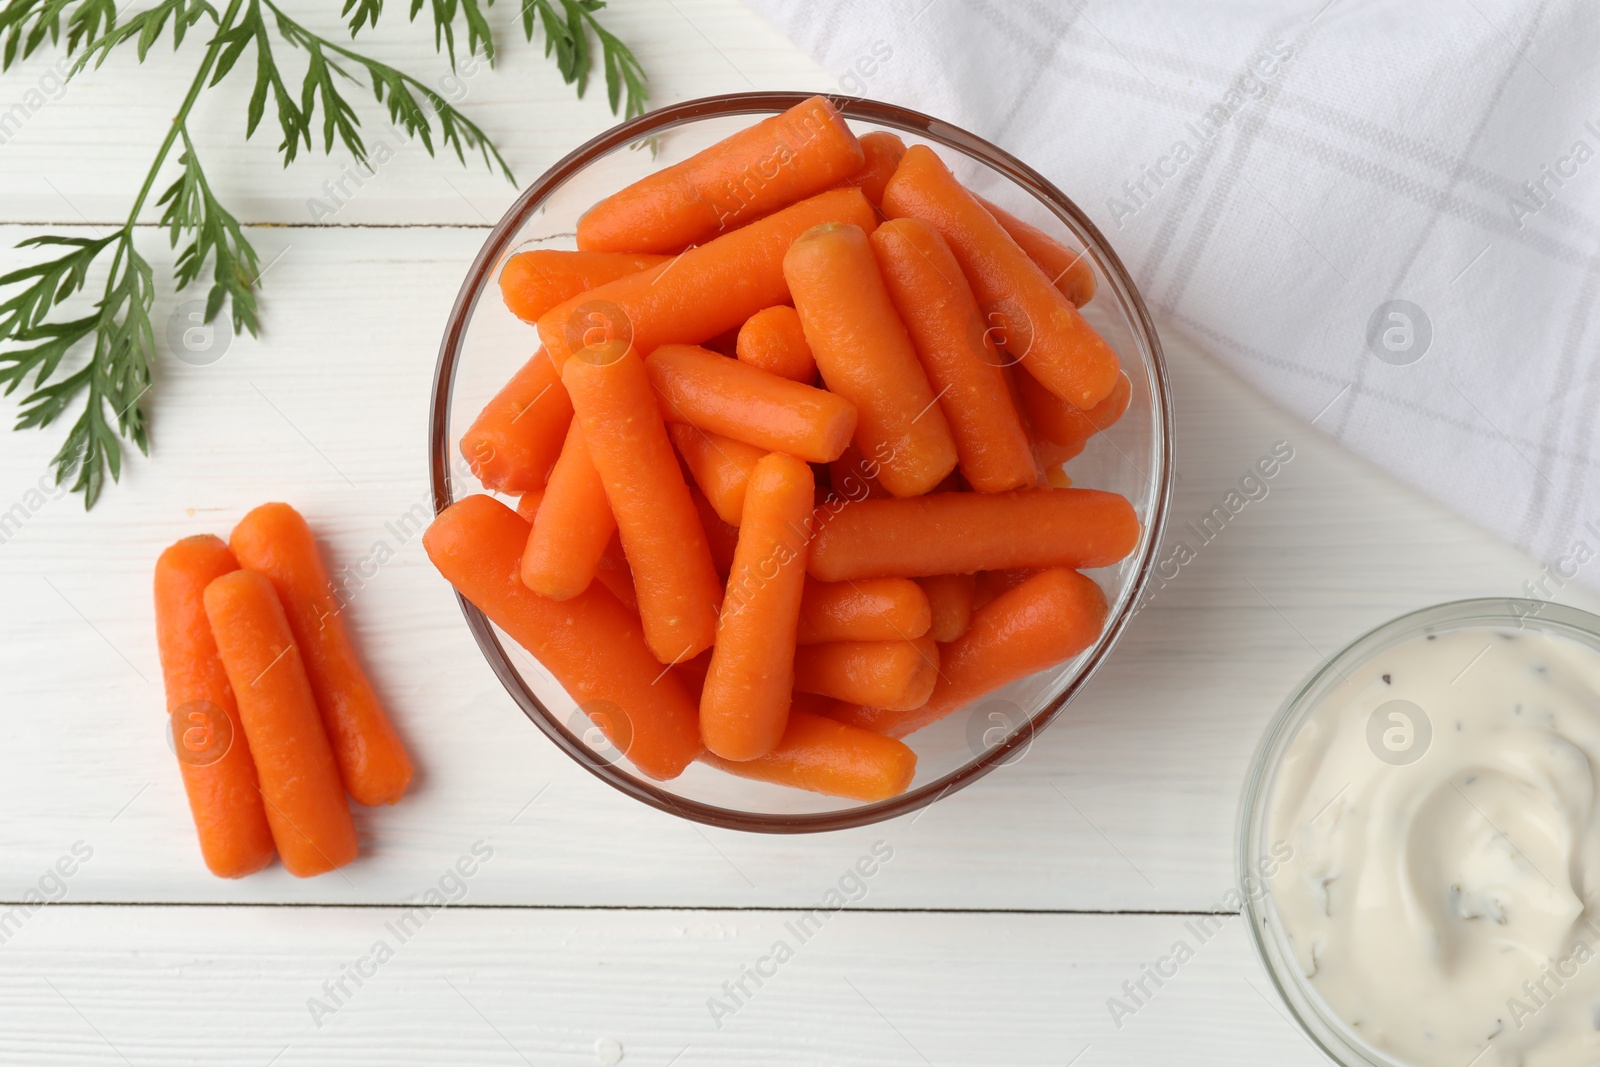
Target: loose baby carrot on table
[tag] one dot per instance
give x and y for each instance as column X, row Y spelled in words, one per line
column 746, row 698
column 865, row 356
column 673, row 575
column 959, row 533
column 300, row 781
column 705, row 291
column 832, row 758
column 534, row 282
column 573, row 527
column 882, row 151
column 722, row 537
column 276, row 541
column 745, row 403
column 1049, row 618
column 1069, row 271
column 721, row 466
column 1061, row 429
column 963, row 366
column 950, row 601
column 885, row 674
column 213, row 754
column 1041, row 327
column 872, row 609
column 591, row 644
column 515, row 440
column 753, row 172
column 773, row 340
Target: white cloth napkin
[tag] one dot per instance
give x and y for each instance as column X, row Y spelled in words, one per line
column 1383, row 213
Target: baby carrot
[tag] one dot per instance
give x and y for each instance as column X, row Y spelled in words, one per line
column 1047, row 619
column 1067, row 270
column 746, row 698
column 533, row 282
column 276, row 541
column 950, row 601
column 854, row 476
column 1041, row 327
column 773, row 340
column 613, row 573
column 673, row 575
column 213, row 755
column 528, row 503
column 942, row 315
column 988, row 585
column 722, row 537
column 882, row 151
column 592, row 645
column 721, row 466
column 515, row 440
column 1060, row 429
column 752, row 173
column 831, row 758
column 958, row 533
column 572, row 528
column 701, row 293
column 305, row 804
column 745, row 403
column 884, row 674
column 872, row 609
column 866, row 357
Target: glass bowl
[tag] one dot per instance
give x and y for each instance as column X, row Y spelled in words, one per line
column 1310, row 1010
column 484, row 344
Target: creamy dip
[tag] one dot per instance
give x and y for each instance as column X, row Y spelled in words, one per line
column 1442, row 891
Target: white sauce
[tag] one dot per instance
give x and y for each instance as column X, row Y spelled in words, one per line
column 1448, row 908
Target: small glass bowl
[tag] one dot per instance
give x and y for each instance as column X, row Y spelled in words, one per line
column 1314, row 1015
column 484, row 344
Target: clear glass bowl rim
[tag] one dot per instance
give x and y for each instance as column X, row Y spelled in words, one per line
column 1320, row 1025
column 883, row 114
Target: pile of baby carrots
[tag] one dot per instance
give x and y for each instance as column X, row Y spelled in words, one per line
column 273, row 719
column 789, row 459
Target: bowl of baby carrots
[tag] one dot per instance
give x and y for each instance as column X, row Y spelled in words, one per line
column 796, row 459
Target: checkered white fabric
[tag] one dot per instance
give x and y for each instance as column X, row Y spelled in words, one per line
column 1385, row 214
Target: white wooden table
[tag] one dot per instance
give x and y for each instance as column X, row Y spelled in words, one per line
column 1008, row 914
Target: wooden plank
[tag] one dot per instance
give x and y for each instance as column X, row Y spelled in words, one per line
column 1128, row 802
column 177, row 986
